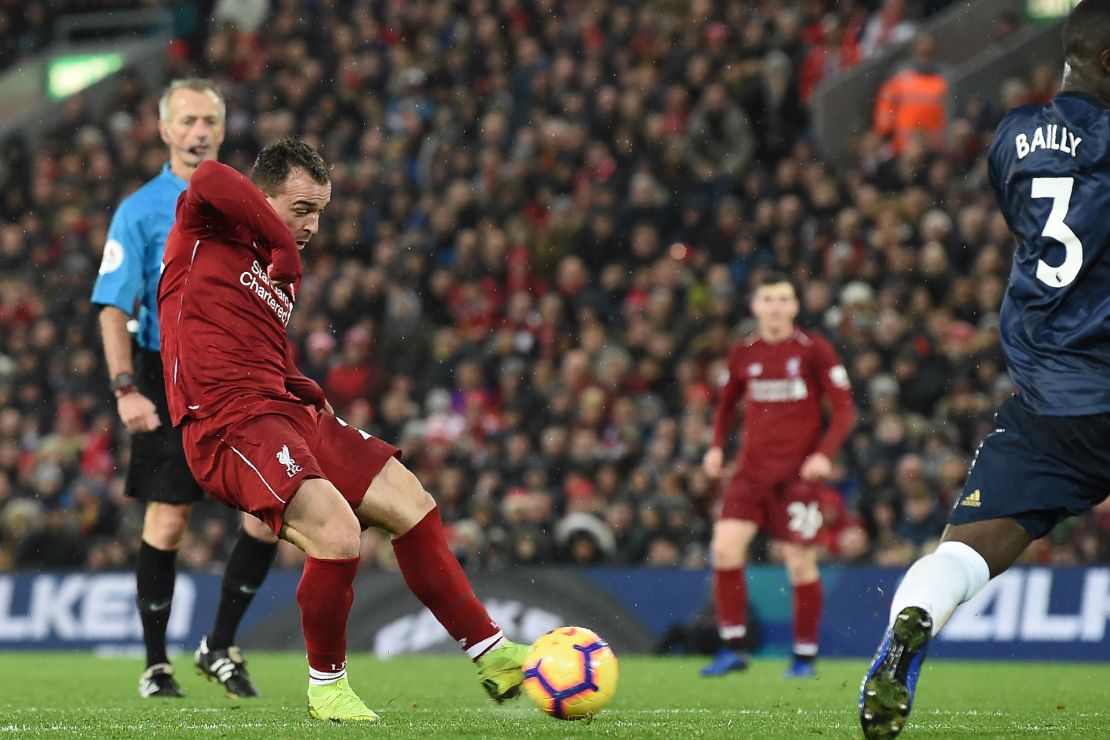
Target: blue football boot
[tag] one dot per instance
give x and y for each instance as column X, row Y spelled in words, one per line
column 887, row 691
column 727, row 660
column 800, row 669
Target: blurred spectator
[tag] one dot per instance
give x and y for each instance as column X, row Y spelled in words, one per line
column 913, row 99
column 835, row 51
column 721, row 139
column 246, row 15
column 888, row 26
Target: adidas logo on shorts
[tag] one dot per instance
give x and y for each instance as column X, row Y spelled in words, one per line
column 972, row 499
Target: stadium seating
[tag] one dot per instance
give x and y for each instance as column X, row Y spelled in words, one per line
column 538, row 251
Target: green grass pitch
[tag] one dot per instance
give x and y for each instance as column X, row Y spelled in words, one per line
column 79, row 695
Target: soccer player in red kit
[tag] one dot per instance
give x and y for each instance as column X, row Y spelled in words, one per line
column 259, row 435
column 783, row 373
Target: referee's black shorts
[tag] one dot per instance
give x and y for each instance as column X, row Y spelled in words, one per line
column 158, row 471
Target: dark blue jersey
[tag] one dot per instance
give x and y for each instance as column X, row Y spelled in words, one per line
column 1049, row 167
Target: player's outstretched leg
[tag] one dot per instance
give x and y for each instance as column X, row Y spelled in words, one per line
column 434, row 576
column 886, row 695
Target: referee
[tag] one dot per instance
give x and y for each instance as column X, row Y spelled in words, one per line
column 192, row 114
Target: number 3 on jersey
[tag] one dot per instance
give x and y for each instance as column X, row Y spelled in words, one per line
column 1059, row 190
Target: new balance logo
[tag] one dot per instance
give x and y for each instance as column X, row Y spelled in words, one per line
column 291, row 466
column 972, row 500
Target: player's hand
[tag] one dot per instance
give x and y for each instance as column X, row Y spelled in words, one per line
column 138, row 413
column 713, row 461
column 816, row 467
column 285, row 266
column 277, row 279
column 327, row 408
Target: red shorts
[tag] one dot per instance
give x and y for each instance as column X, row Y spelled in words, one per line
column 790, row 510
column 255, row 458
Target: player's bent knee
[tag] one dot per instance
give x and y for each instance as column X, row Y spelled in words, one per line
column 726, row 551
column 164, row 525
column 801, row 564
column 320, row 522
column 729, row 546
column 395, row 501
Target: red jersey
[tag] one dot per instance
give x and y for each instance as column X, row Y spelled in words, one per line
column 783, row 385
column 222, row 319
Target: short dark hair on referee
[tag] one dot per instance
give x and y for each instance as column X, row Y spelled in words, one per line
column 772, row 277
column 275, row 162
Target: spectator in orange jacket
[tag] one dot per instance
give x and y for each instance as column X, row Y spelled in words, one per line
column 913, row 99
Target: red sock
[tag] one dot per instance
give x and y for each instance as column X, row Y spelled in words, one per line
column 732, row 603
column 434, row 576
column 325, row 597
column 807, row 618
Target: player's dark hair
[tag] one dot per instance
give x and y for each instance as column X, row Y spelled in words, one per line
column 775, row 278
column 1086, row 32
column 276, row 161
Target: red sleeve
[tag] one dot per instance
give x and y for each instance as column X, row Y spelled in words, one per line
column 726, row 402
column 217, row 188
column 299, row 384
column 835, row 387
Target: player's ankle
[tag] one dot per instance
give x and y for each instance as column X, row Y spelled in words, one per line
column 325, row 678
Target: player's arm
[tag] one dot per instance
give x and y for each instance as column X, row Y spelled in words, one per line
column 218, row 189
column 725, row 416
column 116, row 292
column 302, row 386
column 835, row 388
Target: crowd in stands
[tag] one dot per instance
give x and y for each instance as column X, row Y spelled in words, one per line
column 546, row 215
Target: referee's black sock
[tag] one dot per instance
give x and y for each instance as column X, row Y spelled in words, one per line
column 247, row 567
column 154, row 577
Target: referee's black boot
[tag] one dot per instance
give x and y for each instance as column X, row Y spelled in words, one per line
column 228, row 668
column 158, row 681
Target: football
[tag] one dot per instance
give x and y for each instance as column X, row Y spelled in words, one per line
column 570, row 673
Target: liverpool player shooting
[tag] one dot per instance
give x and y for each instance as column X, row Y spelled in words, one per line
column 783, row 374
column 260, row 436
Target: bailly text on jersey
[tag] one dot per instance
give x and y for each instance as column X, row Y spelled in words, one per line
column 1051, row 136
